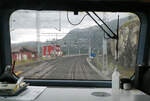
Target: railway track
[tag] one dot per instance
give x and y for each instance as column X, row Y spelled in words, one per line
column 71, row 68
column 36, row 70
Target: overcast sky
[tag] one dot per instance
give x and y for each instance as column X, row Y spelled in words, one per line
column 23, row 24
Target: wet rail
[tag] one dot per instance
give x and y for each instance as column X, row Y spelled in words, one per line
column 71, row 68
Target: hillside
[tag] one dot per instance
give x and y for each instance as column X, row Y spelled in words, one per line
column 128, row 41
column 79, row 39
column 128, row 44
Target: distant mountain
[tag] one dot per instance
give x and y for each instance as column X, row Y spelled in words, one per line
column 79, row 39
column 32, row 44
column 89, row 36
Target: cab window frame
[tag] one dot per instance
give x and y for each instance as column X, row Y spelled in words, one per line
column 6, row 53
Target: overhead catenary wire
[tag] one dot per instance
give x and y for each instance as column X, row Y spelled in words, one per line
column 105, row 36
column 109, row 36
column 112, row 37
column 115, row 36
column 105, row 24
column 75, row 24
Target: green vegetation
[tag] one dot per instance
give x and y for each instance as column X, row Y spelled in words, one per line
column 127, row 51
column 32, row 60
column 25, row 61
column 132, row 21
column 126, row 72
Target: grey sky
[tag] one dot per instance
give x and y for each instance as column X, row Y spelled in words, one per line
column 23, row 24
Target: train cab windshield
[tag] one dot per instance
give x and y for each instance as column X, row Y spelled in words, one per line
column 67, row 45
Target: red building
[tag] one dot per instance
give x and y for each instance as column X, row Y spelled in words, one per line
column 23, row 53
column 52, row 50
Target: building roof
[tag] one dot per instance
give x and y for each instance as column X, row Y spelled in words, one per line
column 19, row 49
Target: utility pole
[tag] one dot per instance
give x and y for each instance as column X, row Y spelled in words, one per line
column 68, row 51
column 47, row 50
column 38, row 33
column 59, row 20
column 105, row 60
column 55, row 45
column 89, row 45
column 68, row 46
column 55, row 52
column 79, row 46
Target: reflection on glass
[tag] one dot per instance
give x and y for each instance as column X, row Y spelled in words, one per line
column 46, row 44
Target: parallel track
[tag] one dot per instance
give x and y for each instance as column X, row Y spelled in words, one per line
column 71, row 68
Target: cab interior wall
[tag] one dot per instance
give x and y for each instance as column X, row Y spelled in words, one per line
column 5, row 56
column 144, row 72
column 5, row 50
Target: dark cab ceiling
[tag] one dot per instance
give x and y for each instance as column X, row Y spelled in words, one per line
column 109, row 5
